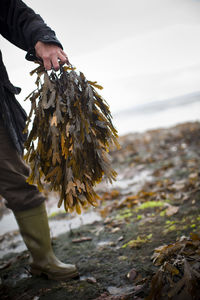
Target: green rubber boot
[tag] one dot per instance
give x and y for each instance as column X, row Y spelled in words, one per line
column 34, row 228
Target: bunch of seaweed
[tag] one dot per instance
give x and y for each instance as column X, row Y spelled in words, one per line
column 178, row 277
column 70, row 137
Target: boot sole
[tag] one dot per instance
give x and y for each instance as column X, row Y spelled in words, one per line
column 74, row 275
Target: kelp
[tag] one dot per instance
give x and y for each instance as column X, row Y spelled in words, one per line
column 71, row 135
column 179, row 274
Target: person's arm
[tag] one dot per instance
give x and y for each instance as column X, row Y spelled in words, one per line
column 24, row 28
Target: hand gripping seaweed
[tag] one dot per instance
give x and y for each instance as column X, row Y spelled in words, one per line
column 70, row 138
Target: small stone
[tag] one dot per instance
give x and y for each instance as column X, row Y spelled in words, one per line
column 132, row 274
column 122, row 257
column 91, row 280
column 120, row 238
column 112, row 244
column 116, row 229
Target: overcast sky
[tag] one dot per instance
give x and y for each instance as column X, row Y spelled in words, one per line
column 139, row 50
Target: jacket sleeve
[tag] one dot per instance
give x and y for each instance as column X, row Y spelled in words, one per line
column 23, row 27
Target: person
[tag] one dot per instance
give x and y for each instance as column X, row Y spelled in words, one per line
column 20, row 25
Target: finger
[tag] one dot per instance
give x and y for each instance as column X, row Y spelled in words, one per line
column 47, row 63
column 63, row 59
column 63, row 53
column 55, row 63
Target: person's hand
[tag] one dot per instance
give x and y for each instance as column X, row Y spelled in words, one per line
column 51, row 55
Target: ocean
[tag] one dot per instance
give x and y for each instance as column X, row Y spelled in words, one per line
column 158, row 114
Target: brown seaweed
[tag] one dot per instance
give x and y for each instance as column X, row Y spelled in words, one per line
column 71, row 135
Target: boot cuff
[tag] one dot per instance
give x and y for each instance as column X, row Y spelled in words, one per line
column 41, row 209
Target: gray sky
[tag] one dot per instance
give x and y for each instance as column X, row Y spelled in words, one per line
column 139, row 50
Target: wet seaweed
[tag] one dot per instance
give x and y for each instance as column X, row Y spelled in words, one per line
column 71, row 135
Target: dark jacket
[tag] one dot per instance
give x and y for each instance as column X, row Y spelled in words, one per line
column 20, row 25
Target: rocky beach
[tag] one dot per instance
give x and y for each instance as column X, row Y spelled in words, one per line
column 141, row 242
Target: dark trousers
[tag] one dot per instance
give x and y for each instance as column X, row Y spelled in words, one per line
column 19, row 195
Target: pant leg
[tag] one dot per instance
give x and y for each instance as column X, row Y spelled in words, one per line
column 19, row 195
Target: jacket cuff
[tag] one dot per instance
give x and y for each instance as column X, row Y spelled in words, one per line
column 48, row 39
